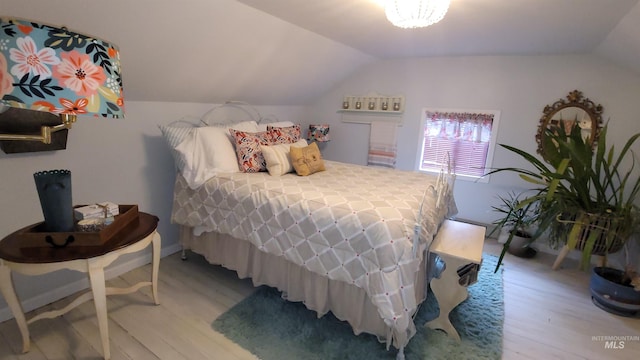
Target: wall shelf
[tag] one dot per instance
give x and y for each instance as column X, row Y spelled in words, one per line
column 372, row 112
column 372, row 107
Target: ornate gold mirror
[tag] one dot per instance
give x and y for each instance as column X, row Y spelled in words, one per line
column 574, row 110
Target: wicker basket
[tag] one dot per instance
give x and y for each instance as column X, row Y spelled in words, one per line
column 604, row 224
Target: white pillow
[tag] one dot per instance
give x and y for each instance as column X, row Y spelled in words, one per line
column 174, row 134
column 277, row 157
column 209, row 150
column 248, row 126
column 263, row 126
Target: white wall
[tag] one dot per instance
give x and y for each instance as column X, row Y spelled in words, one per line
column 518, row 86
column 121, row 160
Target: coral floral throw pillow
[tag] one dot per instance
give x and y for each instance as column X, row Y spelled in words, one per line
column 247, row 144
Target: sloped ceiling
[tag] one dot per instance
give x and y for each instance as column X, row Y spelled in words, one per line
column 470, row 27
column 287, row 52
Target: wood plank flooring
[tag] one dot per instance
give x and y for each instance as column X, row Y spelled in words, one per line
column 548, row 315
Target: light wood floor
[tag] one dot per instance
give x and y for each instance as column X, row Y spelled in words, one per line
column 548, row 315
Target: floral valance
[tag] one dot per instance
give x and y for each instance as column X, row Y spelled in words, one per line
column 474, row 127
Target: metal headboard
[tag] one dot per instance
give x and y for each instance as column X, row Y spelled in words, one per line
column 443, row 189
column 232, row 112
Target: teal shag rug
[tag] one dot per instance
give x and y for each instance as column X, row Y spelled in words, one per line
column 274, row 329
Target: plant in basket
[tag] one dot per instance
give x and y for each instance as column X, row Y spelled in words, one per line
column 586, row 196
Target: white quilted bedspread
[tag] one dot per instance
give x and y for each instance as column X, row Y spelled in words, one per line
column 350, row 223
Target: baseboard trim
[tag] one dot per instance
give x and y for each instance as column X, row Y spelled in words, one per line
column 76, row 286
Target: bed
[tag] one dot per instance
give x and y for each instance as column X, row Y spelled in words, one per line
column 351, row 239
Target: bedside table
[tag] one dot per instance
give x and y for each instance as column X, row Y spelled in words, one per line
column 92, row 260
column 458, row 244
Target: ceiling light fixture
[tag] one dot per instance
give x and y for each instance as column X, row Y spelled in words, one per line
column 58, row 71
column 409, row 14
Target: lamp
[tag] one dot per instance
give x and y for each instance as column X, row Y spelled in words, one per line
column 416, row 13
column 58, row 71
column 318, row 133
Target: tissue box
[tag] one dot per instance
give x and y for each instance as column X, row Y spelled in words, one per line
column 96, row 211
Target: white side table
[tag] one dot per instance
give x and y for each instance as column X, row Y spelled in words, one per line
column 90, row 259
column 458, row 244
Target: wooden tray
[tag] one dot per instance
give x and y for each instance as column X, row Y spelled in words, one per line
column 36, row 236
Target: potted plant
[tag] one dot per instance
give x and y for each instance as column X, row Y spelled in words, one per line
column 586, row 196
column 514, row 225
column 616, row 291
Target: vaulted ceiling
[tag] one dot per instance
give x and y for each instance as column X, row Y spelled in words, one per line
column 286, row 52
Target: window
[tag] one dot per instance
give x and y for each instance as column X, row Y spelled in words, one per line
column 467, row 137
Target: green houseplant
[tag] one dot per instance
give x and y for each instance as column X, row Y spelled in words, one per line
column 515, row 225
column 586, row 196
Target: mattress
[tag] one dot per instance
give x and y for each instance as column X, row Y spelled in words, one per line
column 364, row 226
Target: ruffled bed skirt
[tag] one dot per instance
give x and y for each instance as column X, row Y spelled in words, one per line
column 346, row 301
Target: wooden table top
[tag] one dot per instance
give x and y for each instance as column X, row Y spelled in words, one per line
column 12, row 249
column 460, row 240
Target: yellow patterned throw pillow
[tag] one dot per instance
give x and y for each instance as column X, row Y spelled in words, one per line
column 306, row 160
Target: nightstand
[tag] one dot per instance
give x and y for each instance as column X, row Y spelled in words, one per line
column 15, row 256
column 459, row 245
